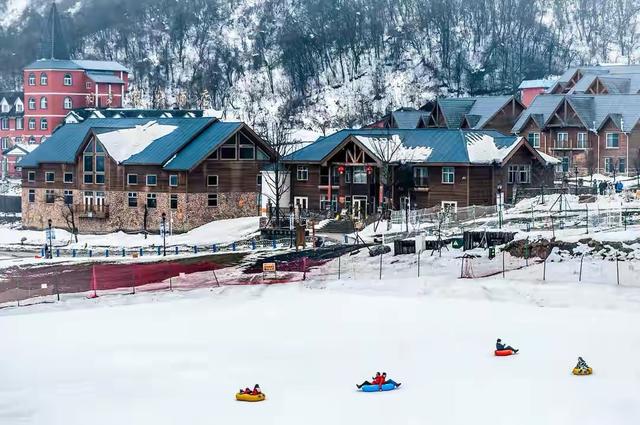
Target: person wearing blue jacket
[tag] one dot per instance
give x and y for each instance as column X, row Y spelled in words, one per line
column 500, row 346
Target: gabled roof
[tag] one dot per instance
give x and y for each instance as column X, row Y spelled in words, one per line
column 593, row 110
column 85, row 65
column 480, row 110
column 19, row 149
column 431, row 146
column 540, row 111
column 407, row 119
column 631, row 73
column 11, row 98
column 86, row 113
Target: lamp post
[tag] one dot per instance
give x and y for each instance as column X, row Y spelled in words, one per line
column 50, row 240
column 575, row 169
column 164, row 234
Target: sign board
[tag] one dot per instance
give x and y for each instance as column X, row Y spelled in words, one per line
column 268, row 269
column 43, row 286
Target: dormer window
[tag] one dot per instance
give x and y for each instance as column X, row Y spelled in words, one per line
column 44, row 80
column 5, row 106
column 19, row 106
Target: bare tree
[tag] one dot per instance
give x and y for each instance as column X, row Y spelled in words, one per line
column 68, row 214
column 277, row 179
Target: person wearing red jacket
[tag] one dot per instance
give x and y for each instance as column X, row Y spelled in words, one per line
column 377, row 380
column 256, row 390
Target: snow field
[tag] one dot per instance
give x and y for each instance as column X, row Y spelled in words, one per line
column 179, row 359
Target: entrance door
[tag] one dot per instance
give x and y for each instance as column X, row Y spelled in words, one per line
column 88, row 201
column 99, row 201
column 359, row 207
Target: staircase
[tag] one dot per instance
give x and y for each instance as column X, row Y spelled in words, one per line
column 337, row 226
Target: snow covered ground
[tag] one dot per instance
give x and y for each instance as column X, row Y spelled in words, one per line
column 220, row 231
column 167, row 358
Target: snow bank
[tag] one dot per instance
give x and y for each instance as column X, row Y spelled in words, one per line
column 123, row 144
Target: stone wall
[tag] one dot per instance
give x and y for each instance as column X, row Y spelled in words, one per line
column 192, row 211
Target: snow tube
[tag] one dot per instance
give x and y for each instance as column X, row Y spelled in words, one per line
column 374, row 388
column 502, row 353
column 582, row 371
column 250, row 397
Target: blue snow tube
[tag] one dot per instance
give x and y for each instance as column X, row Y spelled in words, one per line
column 374, row 388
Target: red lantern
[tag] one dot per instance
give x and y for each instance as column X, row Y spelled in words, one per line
column 369, row 169
column 341, row 169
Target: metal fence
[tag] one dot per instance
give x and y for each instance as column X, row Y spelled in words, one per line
column 10, row 204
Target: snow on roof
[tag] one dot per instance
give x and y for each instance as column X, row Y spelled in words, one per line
column 394, row 150
column 482, row 149
column 532, row 84
column 123, row 144
column 303, row 135
column 548, row 158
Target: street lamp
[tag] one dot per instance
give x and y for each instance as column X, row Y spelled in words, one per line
column 50, row 240
column 164, row 234
column 575, row 169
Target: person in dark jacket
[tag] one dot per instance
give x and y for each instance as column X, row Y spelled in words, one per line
column 500, row 346
column 376, row 380
column 389, row 381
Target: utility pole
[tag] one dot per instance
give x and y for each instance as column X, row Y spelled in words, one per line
column 164, row 234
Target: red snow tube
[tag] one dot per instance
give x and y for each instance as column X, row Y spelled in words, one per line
column 504, row 352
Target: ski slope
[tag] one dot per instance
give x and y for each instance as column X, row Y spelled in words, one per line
column 178, row 358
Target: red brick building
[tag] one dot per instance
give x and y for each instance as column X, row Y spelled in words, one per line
column 529, row 89
column 55, row 85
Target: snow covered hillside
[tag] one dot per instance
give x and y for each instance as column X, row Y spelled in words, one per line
column 180, row 357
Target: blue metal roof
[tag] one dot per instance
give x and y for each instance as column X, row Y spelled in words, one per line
column 447, row 145
column 104, row 78
column 77, row 64
column 203, row 145
column 64, row 144
column 162, row 149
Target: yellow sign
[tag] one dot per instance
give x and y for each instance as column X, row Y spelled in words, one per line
column 268, row 267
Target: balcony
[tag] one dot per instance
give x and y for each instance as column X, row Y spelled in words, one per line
column 560, row 145
column 92, row 211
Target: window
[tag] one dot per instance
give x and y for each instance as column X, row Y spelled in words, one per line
column 246, row 149
column 520, row 174
column 44, row 124
column 173, row 202
column 4, row 123
column 212, row 180
column 325, row 204
column 449, row 207
column 261, row 156
column 359, row 175
column 228, row 150
column 613, row 140
column 259, row 180
column 5, row 107
column 68, row 197
column 32, row 79
column 534, row 139
column 49, row 196
column 133, row 199
column 421, row 176
column 68, row 103
column 152, row 179
column 88, row 85
column 19, row 123
column 608, row 165
column 302, row 175
column 565, row 164
column 348, row 174
column 44, row 80
column 19, row 106
column 132, row 179
column 173, row 180
column 32, row 196
column 448, row 175
column 31, row 176
column 582, row 141
column 622, row 165
column 562, row 140
column 67, row 81
column 301, row 202
column 4, row 143
column 49, row 177
column 32, row 103
column 68, row 177
column 94, row 163
column 152, row 201
column 43, row 103
column 212, row 200
column 32, row 123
